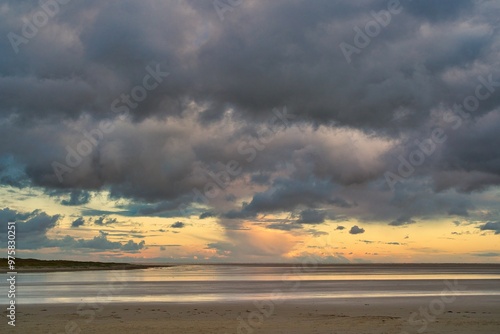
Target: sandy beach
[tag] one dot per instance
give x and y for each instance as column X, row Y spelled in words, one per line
column 472, row 314
column 267, row 299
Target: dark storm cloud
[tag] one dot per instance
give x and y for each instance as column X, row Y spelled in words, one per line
column 77, row 197
column 310, row 216
column 286, row 195
column 207, row 214
column 315, row 233
column 284, row 226
column 356, row 230
column 439, row 10
column 103, row 220
column 37, row 223
column 97, row 243
column 491, row 226
column 159, row 209
column 10, row 174
column 178, row 225
column 342, row 203
column 292, row 59
column 458, row 211
column 32, row 228
column 220, row 247
column 416, row 199
column 472, row 156
column 131, row 246
column 9, row 215
column 401, row 221
column 260, row 178
column 78, row 222
column 225, row 78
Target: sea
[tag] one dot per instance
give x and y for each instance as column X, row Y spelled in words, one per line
column 244, row 282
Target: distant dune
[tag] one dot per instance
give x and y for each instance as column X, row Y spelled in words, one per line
column 35, row 265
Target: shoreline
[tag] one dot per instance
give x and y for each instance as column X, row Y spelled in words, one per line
column 48, row 266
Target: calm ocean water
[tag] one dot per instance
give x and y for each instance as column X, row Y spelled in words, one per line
column 222, row 283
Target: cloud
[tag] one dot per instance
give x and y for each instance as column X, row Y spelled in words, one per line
column 103, row 220
column 253, row 245
column 340, row 228
column 10, row 175
column 36, row 222
column 491, row 226
column 216, row 107
column 393, row 243
column 32, row 229
column 286, row 195
column 315, row 233
column 207, row 214
column 342, row 203
column 132, row 246
column 77, row 197
column 438, row 11
column 78, row 222
column 260, row 178
column 310, row 216
column 356, row 230
column 325, row 26
column 100, row 242
column 458, row 211
column 9, row 215
column 487, row 254
column 97, row 243
column 178, row 225
column 402, row 221
column 221, row 247
column 284, row 226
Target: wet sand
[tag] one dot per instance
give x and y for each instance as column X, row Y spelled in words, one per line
column 463, row 314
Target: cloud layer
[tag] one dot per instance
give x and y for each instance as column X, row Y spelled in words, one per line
column 260, row 115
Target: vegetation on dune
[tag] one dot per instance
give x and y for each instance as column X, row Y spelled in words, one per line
column 60, row 265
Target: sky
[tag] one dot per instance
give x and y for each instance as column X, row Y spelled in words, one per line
column 186, row 131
